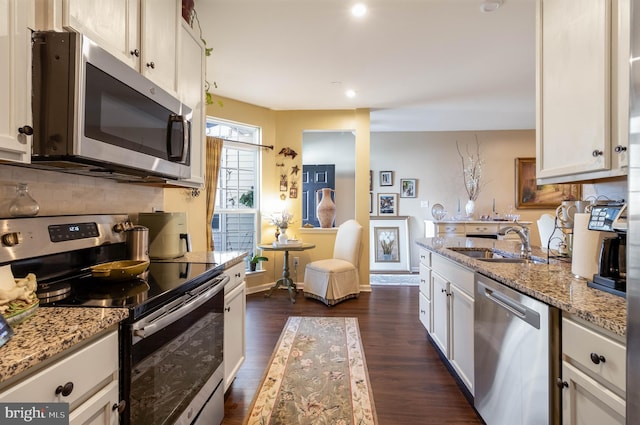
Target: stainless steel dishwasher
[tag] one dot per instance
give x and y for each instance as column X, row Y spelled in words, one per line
column 517, row 356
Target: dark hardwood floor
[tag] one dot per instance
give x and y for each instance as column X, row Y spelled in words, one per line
column 410, row 383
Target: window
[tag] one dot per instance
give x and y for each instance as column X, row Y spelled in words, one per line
column 235, row 219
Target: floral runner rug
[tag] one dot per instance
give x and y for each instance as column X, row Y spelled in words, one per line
column 317, row 375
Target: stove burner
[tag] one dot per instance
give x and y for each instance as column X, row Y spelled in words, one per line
column 53, row 292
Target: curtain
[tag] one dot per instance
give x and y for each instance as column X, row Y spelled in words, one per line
column 212, row 169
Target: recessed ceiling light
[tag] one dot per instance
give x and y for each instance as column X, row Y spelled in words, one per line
column 359, row 9
column 490, row 5
column 350, row 93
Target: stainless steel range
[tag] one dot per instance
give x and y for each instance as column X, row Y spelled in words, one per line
column 171, row 365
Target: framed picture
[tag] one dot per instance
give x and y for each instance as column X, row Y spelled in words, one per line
column 408, row 188
column 293, row 192
column 284, row 184
column 370, row 203
column 387, row 204
column 389, row 245
column 386, row 178
column 529, row 194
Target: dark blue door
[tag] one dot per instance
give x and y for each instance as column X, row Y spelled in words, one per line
column 314, row 178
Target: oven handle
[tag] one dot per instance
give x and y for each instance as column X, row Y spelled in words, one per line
column 144, row 328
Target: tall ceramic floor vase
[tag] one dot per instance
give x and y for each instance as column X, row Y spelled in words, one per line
column 326, row 208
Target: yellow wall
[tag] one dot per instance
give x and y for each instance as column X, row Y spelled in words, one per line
column 284, row 129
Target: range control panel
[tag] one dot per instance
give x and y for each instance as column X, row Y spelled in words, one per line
column 608, row 218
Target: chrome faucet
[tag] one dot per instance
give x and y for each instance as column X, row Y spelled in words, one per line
column 523, row 233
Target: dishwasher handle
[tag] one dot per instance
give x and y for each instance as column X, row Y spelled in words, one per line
column 521, row 311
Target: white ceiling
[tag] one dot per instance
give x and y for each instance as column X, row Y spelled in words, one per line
column 419, row 65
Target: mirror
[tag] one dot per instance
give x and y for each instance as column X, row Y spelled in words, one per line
column 326, row 148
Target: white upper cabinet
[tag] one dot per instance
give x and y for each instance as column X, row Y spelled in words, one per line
column 582, row 89
column 143, row 34
column 113, row 24
column 15, row 81
column 191, row 88
column 159, row 25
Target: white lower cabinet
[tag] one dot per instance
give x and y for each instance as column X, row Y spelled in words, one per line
column 452, row 321
column 593, row 375
column 585, row 401
column 86, row 378
column 425, row 289
column 234, row 323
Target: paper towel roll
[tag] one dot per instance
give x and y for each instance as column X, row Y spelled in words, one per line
column 586, row 247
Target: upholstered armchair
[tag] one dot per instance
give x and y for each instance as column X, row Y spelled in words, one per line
column 336, row 279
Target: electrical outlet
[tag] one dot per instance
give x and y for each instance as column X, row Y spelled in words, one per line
column 296, row 261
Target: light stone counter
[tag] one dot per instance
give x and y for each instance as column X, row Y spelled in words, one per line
column 225, row 259
column 50, row 331
column 552, row 283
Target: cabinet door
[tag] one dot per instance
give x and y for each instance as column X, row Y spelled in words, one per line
column 101, row 409
column 15, row 81
column 191, row 92
column 425, row 311
column 574, row 60
column 586, row 402
column 112, row 24
column 461, row 349
column 159, row 24
column 440, row 304
column 234, row 332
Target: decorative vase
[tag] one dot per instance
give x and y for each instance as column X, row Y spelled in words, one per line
column 23, row 205
column 326, row 208
column 283, row 238
column 470, row 208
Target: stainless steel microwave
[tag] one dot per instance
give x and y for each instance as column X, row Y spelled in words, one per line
column 93, row 114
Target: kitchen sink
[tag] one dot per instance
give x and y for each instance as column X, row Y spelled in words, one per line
column 514, row 260
column 491, row 256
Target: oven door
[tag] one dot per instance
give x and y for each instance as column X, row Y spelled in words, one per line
column 175, row 371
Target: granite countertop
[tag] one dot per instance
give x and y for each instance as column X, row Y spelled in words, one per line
column 51, row 330
column 224, row 259
column 552, row 283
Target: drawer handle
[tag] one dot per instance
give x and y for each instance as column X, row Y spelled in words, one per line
column 561, row 384
column 227, row 309
column 119, row 406
column 596, row 358
column 422, row 281
column 238, row 274
column 66, row 390
column 423, row 312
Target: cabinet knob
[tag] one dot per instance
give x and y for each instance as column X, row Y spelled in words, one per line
column 119, row 406
column 596, row 153
column 561, row 384
column 26, row 130
column 238, row 274
column 65, row 390
column 620, row 149
column 597, row 358
column 227, row 309
column 135, row 52
column 443, row 290
column 151, row 65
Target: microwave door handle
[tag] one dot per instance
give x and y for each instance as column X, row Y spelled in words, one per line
column 184, row 123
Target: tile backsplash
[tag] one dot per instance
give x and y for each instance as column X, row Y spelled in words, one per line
column 59, row 193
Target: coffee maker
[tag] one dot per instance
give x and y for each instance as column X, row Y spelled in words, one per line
column 612, row 266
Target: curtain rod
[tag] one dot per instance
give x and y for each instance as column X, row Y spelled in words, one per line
column 248, row 143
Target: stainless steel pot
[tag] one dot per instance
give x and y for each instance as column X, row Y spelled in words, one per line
column 138, row 243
